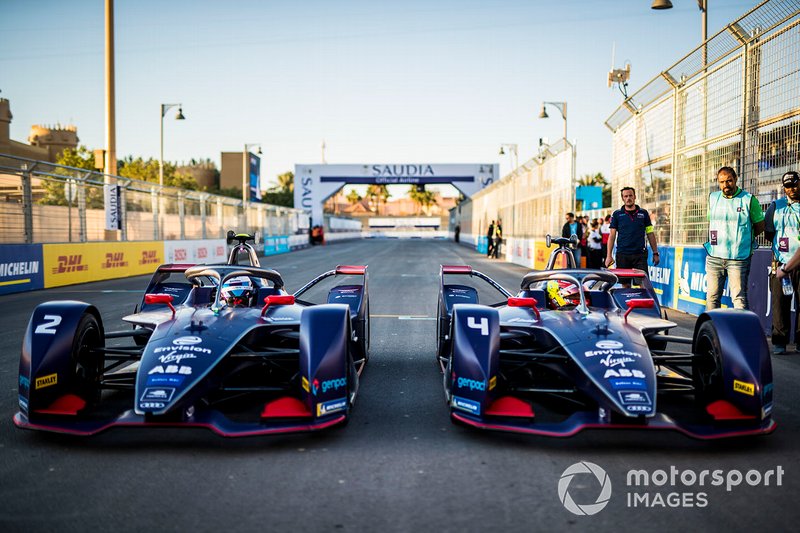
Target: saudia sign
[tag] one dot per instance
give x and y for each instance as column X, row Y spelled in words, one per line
column 315, row 183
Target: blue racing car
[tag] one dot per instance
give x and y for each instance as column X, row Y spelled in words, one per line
column 224, row 347
column 577, row 349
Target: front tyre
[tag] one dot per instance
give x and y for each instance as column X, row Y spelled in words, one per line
column 86, row 360
column 707, row 374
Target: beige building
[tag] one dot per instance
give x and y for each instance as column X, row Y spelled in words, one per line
column 46, row 142
column 230, row 177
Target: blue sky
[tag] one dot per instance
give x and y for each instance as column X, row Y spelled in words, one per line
column 429, row 81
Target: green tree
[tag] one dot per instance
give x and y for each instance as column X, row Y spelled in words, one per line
column 54, row 190
column 424, row 199
column 378, row 194
column 283, row 192
column 353, row 197
column 147, row 170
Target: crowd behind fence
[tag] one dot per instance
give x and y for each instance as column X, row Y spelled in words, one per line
column 44, row 202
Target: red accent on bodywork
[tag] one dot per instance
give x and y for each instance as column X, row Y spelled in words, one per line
column 725, row 410
column 351, row 270
column 286, row 407
column 456, row 269
column 638, row 303
column 283, row 299
column 525, row 302
column 160, row 299
column 628, row 272
column 510, row 406
column 69, row 404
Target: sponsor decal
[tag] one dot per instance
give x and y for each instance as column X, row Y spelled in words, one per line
column 467, row 405
column 638, row 408
column 175, row 357
column 332, row 406
column 163, row 394
column 628, row 383
column 187, row 341
column 151, row 405
column 402, row 170
column 23, row 404
column 174, row 349
column 609, row 345
column 611, row 361
column 744, row 387
column 70, row 263
column 492, row 382
column 24, row 382
column 22, row 268
column 173, row 380
column 114, row 260
column 594, row 353
column 314, row 386
column 171, row 369
column 629, row 396
column 331, row 384
column 304, row 383
column 623, row 373
column 471, row 384
column 280, row 318
column 522, row 320
column 149, row 257
column 46, row 381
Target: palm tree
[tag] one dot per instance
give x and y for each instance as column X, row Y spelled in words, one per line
column 353, row 197
column 378, row 194
column 424, row 199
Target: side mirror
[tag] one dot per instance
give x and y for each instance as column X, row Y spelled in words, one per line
column 638, row 303
column 160, row 299
column 275, row 299
column 525, row 302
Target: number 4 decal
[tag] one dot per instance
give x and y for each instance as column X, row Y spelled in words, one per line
column 483, row 325
column 49, row 325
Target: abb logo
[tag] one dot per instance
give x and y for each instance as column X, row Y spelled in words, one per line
column 202, row 253
column 115, row 260
column 149, row 257
column 70, row 263
column 180, row 254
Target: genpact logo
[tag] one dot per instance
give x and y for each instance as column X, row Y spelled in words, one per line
column 471, row 384
column 333, row 384
column 584, row 467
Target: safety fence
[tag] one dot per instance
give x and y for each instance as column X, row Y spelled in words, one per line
column 42, row 202
column 530, row 202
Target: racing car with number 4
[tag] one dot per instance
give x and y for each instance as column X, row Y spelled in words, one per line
column 578, row 349
column 224, row 347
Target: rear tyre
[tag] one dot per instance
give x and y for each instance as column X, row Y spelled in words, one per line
column 707, row 365
column 86, row 361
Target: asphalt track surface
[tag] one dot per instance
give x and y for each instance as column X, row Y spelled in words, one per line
column 399, row 465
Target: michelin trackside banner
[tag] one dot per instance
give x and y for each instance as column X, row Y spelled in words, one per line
column 21, row 268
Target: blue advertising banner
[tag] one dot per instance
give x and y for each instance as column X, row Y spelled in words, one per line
column 21, row 268
column 276, row 245
column 255, row 173
column 662, row 276
column 483, row 245
column 589, row 197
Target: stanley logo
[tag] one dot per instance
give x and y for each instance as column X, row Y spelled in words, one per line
column 46, row 381
column 743, row 387
column 70, row 263
column 115, row 260
column 149, row 257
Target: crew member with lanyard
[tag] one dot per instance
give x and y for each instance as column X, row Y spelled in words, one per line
column 782, row 228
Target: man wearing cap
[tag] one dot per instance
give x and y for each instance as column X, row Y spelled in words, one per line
column 783, row 230
column 735, row 219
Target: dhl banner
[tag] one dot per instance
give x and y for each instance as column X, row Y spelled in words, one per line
column 66, row 264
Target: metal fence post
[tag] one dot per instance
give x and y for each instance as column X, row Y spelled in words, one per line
column 27, row 206
column 181, row 213
column 82, row 209
column 123, row 211
column 154, row 196
column 203, row 204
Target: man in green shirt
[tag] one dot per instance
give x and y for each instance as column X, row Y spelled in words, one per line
column 735, row 219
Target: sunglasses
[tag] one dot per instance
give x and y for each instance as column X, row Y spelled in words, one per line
column 791, row 185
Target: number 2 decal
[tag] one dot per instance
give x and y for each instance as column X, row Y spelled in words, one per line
column 483, row 325
column 49, row 325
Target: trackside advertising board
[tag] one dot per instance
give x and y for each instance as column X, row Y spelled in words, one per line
column 66, row 264
column 21, row 268
column 196, row 252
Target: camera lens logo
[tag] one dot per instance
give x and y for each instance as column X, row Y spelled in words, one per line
column 584, row 467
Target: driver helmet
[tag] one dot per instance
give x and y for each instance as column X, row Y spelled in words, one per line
column 237, row 292
column 561, row 293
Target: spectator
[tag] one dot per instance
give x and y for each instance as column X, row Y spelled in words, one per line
column 782, row 229
column 573, row 227
column 630, row 228
column 735, row 220
column 498, row 238
column 594, row 243
column 457, row 232
column 490, row 240
column 605, row 230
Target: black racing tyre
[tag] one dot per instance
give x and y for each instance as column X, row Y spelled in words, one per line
column 707, row 365
column 85, row 360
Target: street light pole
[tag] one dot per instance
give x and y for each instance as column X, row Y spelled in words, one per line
column 562, row 108
column 179, row 116
column 513, row 152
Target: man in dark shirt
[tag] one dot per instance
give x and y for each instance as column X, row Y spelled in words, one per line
column 490, row 239
column 630, row 225
column 573, row 227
